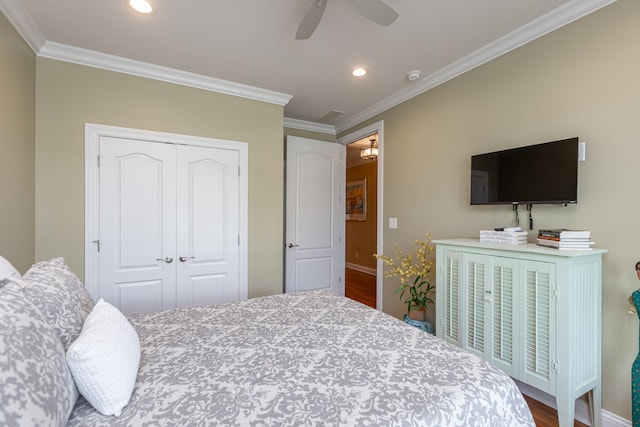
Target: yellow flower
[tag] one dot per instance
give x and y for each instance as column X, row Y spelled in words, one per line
column 412, row 272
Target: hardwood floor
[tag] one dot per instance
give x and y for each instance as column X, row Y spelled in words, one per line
column 361, row 287
column 545, row 416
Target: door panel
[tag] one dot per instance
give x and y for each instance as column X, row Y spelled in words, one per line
column 208, row 225
column 137, row 224
column 207, row 289
column 140, row 297
column 314, row 252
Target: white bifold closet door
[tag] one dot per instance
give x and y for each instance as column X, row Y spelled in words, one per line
column 169, row 225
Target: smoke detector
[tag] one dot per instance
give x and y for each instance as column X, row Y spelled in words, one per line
column 414, row 75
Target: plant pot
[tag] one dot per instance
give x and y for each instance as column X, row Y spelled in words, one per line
column 418, row 314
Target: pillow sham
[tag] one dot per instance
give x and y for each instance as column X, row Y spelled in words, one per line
column 37, row 387
column 104, row 360
column 6, row 271
column 60, row 295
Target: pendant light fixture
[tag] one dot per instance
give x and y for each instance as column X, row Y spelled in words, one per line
column 370, row 152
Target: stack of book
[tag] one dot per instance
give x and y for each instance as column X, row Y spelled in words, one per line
column 563, row 239
column 506, row 236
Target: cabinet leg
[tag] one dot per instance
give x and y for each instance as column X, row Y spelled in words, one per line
column 566, row 410
column 595, row 406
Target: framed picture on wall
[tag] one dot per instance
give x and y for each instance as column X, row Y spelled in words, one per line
column 356, row 200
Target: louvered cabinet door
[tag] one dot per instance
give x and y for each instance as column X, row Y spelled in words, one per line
column 476, row 303
column 538, row 325
column 448, row 295
column 502, row 295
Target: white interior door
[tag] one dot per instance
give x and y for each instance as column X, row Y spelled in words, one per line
column 137, row 224
column 208, row 226
column 314, row 247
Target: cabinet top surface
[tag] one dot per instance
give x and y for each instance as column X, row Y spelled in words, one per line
column 529, row 248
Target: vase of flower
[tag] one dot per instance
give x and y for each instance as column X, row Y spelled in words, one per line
column 414, row 271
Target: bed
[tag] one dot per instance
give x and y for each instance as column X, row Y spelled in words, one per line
column 307, row 359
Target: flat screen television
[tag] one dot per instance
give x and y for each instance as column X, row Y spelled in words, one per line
column 536, row 174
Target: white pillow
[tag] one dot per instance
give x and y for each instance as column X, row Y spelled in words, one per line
column 104, row 359
column 6, row 271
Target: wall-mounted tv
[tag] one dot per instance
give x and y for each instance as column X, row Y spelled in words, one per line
column 535, row 174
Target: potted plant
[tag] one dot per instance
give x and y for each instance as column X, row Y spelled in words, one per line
column 414, row 271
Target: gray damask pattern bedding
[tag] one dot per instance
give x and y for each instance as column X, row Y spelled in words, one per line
column 310, row 359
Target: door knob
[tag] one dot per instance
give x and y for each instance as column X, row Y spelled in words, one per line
column 167, row 259
column 291, row 245
column 185, row 258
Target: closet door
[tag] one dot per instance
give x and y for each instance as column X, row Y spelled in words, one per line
column 137, row 224
column 169, row 225
column 208, row 225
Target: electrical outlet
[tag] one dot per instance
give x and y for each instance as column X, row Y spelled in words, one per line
column 357, row 254
column 393, row 222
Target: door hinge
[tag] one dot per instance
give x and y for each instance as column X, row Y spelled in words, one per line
column 556, row 295
column 239, row 171
column 555, row 367
column 238, row 240
column 98, row 160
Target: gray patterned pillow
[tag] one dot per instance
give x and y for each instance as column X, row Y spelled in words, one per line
column 37, row 388
column 60, row 295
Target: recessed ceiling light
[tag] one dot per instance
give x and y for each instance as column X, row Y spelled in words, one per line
column 142, row 6
column 359, row 72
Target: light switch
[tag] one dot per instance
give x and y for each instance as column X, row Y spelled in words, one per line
column 393, row 222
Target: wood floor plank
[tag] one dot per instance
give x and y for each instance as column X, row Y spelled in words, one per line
column 360, row 286
column 545, row 416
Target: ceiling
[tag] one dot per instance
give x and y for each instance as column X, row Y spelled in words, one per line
column 247, row 47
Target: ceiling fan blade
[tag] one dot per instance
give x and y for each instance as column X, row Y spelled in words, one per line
column 311, row 19
column 376, row 10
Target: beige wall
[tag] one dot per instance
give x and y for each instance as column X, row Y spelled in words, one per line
column 361, row 237
column 580, row 80
column 309, row 134
column 17, row 146
column 69, row 95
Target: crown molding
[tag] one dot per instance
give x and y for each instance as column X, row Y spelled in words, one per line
column 142, row 69
column 18, row 16
column 309, row 126
column 559, row 17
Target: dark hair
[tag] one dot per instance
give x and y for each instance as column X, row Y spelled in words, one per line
column 638, row 265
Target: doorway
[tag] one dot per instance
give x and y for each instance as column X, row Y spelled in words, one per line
column 363, row 234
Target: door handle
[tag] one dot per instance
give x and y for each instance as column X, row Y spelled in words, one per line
column 291, row 245
column 167, row 259
column 185, row 258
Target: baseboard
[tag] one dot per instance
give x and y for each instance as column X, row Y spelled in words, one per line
column 582, row 412
column 361, row 268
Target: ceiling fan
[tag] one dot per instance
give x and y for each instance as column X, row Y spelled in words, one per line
column 375, row 10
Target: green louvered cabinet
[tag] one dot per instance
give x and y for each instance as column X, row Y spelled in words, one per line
column 533, row 312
